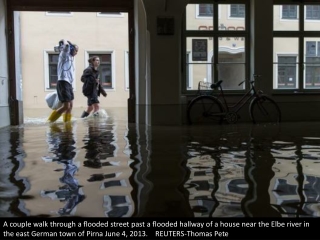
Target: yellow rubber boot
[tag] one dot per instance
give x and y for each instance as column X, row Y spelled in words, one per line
column 54, row 116
column 67, row 117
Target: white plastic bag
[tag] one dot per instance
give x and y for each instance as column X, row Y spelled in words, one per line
column 53, row 100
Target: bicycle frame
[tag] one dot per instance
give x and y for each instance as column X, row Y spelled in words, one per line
column 249, row 95
column 208, row 108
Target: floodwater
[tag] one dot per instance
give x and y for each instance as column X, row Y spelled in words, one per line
column 105, row 167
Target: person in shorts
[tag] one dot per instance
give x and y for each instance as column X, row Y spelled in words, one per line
column 66, row 75
column 90, row 78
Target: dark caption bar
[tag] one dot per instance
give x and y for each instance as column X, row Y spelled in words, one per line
column 141, row 228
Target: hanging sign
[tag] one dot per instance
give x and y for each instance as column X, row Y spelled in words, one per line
column 199, row 49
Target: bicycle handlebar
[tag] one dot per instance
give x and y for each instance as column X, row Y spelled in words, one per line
column 216, row 85
column 241, row 83
column 252, row 81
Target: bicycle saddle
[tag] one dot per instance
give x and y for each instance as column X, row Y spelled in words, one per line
column 216, row 85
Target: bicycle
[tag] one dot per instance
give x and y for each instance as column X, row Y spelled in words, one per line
column 206, row 108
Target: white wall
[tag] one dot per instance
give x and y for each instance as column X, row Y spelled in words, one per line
column 4, row 106
column 141, row 50
column 164, row 64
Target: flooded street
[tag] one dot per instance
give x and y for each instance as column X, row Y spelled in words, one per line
column 105, row 167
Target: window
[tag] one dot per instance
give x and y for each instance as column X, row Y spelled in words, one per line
column 53, row 77
column 216, row 48
column 313, row 72
column 297, row 51
column 57, row 13
column 312, row 64
column 110, row 14
column 205, row 10
column 50, row 70
column 237, row 10
column 286, row 62
column 313, row 12
column 105, row 69
column 289, row 12
column 287, row 70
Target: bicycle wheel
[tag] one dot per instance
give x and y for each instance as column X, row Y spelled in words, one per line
column 204, row 110
column 263, row 109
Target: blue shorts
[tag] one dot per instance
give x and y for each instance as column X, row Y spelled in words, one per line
column 65, row 91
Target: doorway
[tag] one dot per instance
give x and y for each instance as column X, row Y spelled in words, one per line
column 99, row 10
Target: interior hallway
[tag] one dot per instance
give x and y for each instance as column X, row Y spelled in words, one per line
column 105, row 167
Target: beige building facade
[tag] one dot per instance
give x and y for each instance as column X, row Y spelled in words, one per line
column 233, row 47
column 106, row 34
column 102, row 34
column 276, row 39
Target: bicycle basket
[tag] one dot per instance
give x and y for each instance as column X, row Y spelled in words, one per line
column 204, row 88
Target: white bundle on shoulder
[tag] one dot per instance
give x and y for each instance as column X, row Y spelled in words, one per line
column 53, row 100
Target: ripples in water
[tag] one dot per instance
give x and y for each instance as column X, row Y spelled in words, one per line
column 105, row 167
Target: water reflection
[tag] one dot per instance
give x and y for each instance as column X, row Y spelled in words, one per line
column 98, row 143
column 297, row 193
column 258, row 173
column 11, row 184
column 216, row 163
column 101, row 151
column 255, row 176
column 129, row 170
column 62, row 145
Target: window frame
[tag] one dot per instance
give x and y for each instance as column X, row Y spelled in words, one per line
column 296, row 70
column 189, row 70
column 297, row 18
column 311, row 19
column 289, row 19
column 316, row 56
column 47, row 88
column 229, row 13
column 48, row 84
column 215, row 34
column 198, row 11
column 301, row 34
column 126, row 70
